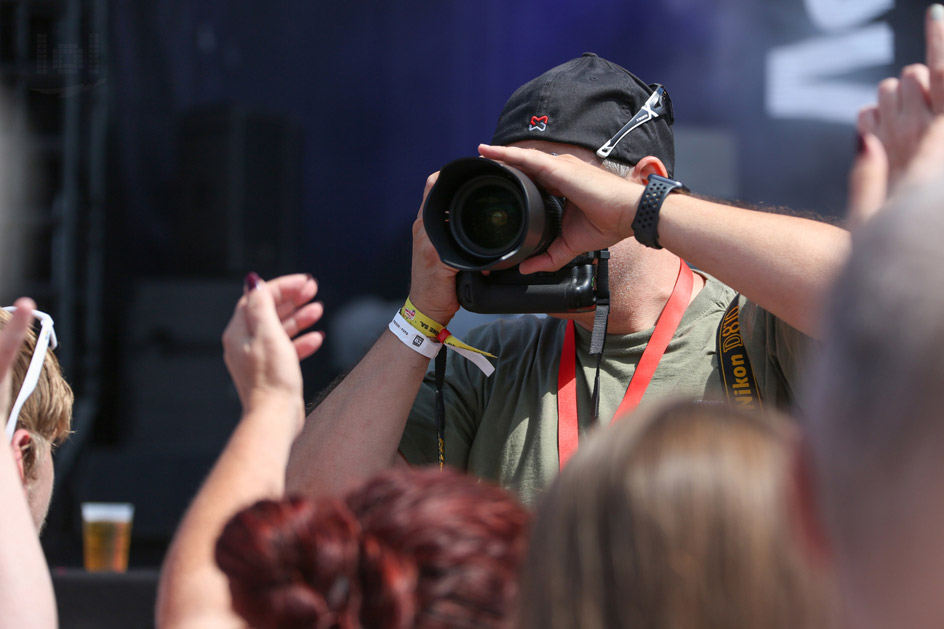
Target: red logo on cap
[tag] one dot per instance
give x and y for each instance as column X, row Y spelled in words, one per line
column 538, row 123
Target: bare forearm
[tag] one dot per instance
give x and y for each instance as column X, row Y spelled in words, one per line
column 356, row 430
column 193, row 591
column 783, row 263
column 26, row 594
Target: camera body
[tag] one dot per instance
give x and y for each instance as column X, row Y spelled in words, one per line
column 484, row 216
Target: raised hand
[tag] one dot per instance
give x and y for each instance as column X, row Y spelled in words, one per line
column 901, row 134
column 265, row 339
column 11, row 339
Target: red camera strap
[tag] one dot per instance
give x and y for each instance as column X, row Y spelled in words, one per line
column 567, row 425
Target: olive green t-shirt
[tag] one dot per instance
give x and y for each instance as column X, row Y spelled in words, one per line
column 504, row 427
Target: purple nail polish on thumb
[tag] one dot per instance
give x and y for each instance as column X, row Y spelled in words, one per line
column 252, row 280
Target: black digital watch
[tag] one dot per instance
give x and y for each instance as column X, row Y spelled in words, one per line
column 646, row 222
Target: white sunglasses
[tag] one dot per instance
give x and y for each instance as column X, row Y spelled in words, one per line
column 46, row 339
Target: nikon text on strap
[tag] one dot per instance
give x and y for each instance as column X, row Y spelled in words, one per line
column 737, row 377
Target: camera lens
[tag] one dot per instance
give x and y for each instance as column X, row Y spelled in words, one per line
column 487, row 216
column 483, row 215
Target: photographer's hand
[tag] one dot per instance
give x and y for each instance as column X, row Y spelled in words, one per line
column 433, row 284
column 605, row 203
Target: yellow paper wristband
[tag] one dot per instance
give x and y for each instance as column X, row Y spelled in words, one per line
column 430, row 328
column 418, row 320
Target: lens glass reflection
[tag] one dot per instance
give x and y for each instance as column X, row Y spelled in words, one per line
column 490, row 218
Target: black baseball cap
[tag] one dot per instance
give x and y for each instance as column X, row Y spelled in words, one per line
column 586, row 102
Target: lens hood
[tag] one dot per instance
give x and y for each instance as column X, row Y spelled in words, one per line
column 482, row 215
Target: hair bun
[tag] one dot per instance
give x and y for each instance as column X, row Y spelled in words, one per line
column 293, row 563
column 405, row 549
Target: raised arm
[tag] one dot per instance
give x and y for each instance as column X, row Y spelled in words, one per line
column 262, row 359
column 785, row 264
column 902, row 135
column 26, row 594
column 356, row 429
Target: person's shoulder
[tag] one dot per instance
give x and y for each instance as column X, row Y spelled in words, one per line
column 723, row 296
column 755, row 321
column 710, row 303
column 716, row 290
column 751, row 315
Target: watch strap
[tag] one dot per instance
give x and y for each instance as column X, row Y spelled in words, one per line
column 646, row 221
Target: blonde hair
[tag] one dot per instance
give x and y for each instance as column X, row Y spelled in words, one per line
column 47, row 413
column 675, row 519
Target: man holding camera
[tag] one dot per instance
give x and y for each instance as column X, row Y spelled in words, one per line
column 594, row 134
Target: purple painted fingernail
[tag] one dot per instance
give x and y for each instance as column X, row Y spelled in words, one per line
column 252, row 280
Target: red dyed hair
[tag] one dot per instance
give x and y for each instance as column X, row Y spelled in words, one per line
column 426, row 549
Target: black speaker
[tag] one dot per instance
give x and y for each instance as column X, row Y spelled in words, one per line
column 240, row 194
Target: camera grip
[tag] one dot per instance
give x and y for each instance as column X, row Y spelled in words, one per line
column 570, row 289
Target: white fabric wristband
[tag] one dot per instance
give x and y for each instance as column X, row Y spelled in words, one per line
column 411, row 337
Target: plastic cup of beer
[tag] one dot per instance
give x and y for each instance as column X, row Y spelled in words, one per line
column 106, row 535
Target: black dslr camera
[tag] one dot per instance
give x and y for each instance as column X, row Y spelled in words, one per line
column 485, row 216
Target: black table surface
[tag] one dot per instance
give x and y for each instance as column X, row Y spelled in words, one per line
column 105, row 600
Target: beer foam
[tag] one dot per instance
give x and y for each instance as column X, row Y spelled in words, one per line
column 107, row 511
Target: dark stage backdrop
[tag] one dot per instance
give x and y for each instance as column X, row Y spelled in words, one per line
column 297, row 136
column 383, row 93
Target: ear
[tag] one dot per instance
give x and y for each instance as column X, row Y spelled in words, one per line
column 649, row 165
column 21, row 441
column 805, row 515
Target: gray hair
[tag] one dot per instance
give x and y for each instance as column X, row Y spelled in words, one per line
column 617, row 168
column 875, row 398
